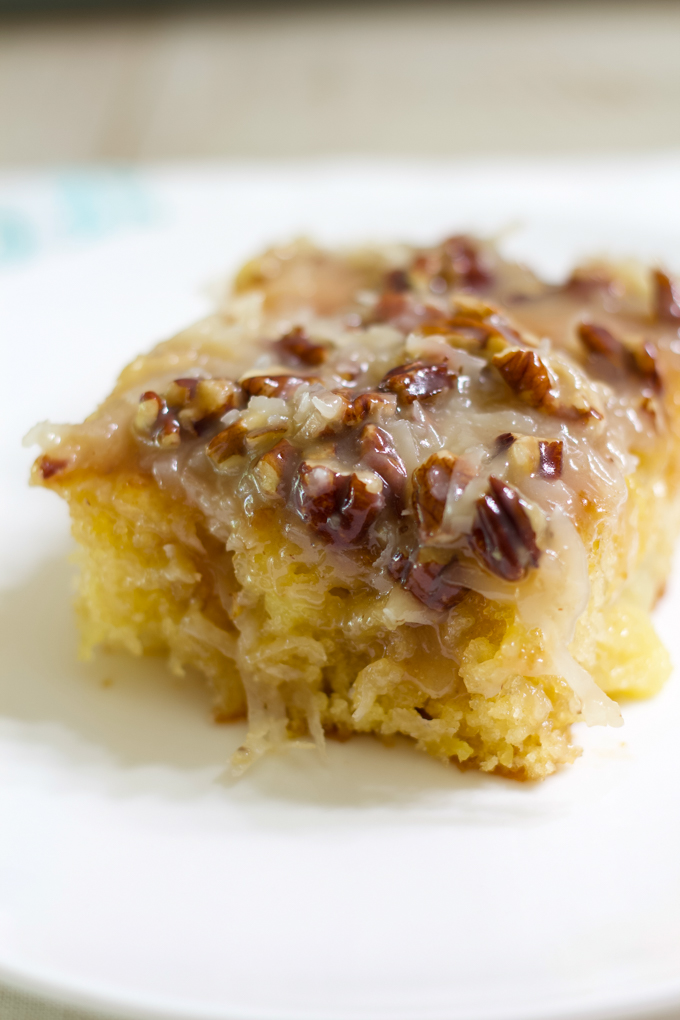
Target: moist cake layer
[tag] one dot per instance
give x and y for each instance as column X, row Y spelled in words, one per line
column 399, row 490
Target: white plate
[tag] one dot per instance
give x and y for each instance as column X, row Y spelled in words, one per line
column 378, row 885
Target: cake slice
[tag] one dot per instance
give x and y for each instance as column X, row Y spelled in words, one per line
column 403, row 490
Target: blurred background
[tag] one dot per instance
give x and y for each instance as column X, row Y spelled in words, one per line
column 129, row 81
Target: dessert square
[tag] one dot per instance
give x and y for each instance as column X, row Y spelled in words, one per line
column 399, row 490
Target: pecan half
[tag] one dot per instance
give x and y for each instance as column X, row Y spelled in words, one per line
column 275, row 469
column 526, row 375
column 431, row 483
column 666, row 297
column 379, row 454
column 274, row 385
column 550, row 458
column 502, row 534
column 228, row 445
column 297, row 347
column 340, row 507
column 419, row 380
column 431, row 582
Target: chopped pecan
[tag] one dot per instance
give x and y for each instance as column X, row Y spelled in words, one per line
column 156, row 421
column 586, row 280
column 473, row 332
column 266, row 435
column 526, row 375
column 431, row 483
column 530, row 456
column 297, row 347
column 274, row 470
column 403, row 312
column 524, row 456
column 181, row 391
column 50, row 466
column 379, row 454
column 274, row 385
column 340, row 507
column 397, row 281
column 228, row 444
column 468, row 267
column 550, row 458
column 641, row 361
column 149, row 409
column 503, row 443
column 370, row 405
column 419, row 380
column 666, row 297
column 431, row 582
column 502, row 534
column 599, row 340
column 206, row 401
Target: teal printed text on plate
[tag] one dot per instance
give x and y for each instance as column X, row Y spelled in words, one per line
column 57, row 210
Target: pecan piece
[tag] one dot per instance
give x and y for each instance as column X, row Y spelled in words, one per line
column 148, row 411
column 526, row 375
column 297, row 347
column 418, row 380
column 228, row 445
column 181, row 391
column 503, row 443
column 274, row 470
column 206, row 400
column 550, row 458
column 266, row 435
column 431, row 483
column 431, row 582
column 502, row 534
column 379, row 454
column 666, row 297
column 370, row 405
column 467, row 265
column 640, row 361
column 531, row 456
column 599, row 340
column 274, row 385
column 340, row 507
column 156, row 421
column 397, row 281
column 50, row 466
column 403, row 312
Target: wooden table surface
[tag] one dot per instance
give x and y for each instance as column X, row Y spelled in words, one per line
column 419, row 79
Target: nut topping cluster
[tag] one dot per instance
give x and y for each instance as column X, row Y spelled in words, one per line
column 353, row 437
